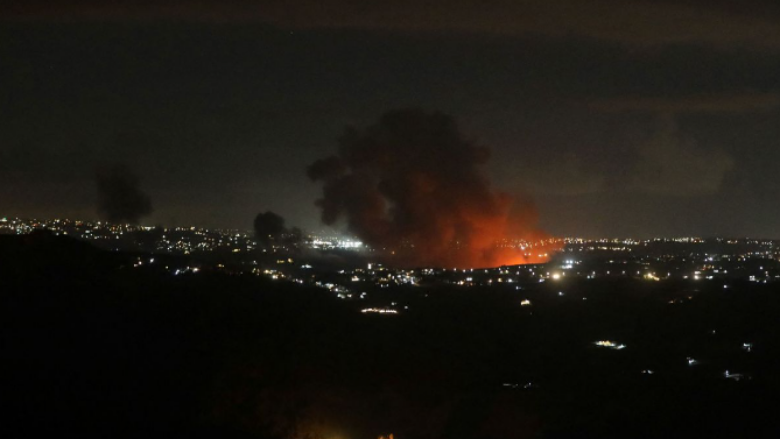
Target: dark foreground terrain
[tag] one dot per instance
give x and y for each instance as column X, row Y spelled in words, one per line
column 93, row 347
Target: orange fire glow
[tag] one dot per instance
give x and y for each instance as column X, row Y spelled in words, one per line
column 411, row 186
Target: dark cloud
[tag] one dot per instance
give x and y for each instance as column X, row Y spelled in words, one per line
column 120, row 198
column 672, row 165
column 717, row 23
column 413, row 185
column 662, row 161
column 705, row 103
column 567, row 175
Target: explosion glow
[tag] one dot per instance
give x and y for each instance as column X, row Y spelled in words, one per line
column 411, row 185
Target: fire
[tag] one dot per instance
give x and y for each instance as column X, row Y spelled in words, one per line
column 412, row 186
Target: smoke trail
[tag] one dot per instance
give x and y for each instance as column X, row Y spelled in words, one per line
column 120, row 198
column 412, row 184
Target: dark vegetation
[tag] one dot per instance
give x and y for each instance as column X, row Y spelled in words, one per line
column 92, row 347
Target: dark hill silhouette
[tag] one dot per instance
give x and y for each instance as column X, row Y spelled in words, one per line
column 92, row 347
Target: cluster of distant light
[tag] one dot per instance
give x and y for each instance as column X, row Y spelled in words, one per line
column 688, row 265
column 180, row 240
column 626, row 244
column 379, row 311
column 187, row 240
column 523, row 244
column 610, row 344
column 558, row 273
column 690, row 361
column 756, row 265
column 701, row 270
column 327, row 243
column 173, row 268
column 631, row 241
column 378, row 273
column 344, row 284
column 741, row 263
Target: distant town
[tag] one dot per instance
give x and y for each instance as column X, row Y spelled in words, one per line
column 690, row 314
column 715, row 260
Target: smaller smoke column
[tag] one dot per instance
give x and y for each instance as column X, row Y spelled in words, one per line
column 411, row 184
column 120, row 198
column 269, row 228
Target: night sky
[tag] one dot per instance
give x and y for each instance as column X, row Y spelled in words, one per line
column 619, row 118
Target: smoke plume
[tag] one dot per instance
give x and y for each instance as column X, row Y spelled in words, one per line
column 268, row 226
column 120, row 198
column 411, row 185
column 269, row 229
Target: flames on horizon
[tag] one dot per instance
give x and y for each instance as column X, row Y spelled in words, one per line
column 412, row 185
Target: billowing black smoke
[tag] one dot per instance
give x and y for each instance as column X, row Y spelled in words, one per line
column 120, row 198
column 412, row 184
